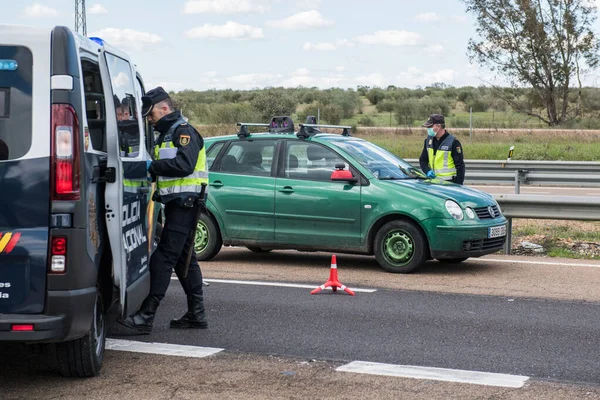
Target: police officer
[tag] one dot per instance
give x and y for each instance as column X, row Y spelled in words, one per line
column 442, row 155
column 179, row 169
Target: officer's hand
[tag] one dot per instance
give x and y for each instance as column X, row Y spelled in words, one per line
column 148, row 162
column 430, row 174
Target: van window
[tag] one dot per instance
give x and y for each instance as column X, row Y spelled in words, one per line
column 16, row 67
column 122, row 82
column 94, row 104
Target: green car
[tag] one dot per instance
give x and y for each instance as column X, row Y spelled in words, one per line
column 313, row 191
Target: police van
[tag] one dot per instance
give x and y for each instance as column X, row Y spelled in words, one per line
column 76, row 220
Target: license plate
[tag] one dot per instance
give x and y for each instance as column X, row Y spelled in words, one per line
column 497, row 231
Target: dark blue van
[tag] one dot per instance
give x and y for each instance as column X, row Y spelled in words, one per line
column 76, row 220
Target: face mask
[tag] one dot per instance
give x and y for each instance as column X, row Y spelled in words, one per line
column 430, row 132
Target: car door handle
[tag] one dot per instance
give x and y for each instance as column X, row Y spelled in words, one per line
column 287, row 189
column 217, row 184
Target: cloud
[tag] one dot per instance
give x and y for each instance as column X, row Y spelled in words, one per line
column 128, row 38
column 435, row 49
column 459, row 18
column 327, row 46
column 224, row 7
column 305, row 20
column 340, row 68
column 121, row 80
column 97, row 9
column 39, row 11
column 231, row 30
column 392, row 38
column 414, row 76
column 301, row 72
column 428, row 17
column 210, row 74
column 308, row 4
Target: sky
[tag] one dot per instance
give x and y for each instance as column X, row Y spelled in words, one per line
column 247, row 44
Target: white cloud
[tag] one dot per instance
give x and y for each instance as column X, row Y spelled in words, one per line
column 374, row 79
column 392, row 38
column 301, row 72
column 305, row 20
column 414, row 76
column 210, row 74
column 428, row 17
column 461, row 18
column 121, row 80
column 251, row 80
column 231, row 30
column 97, row 9
column 340, row 68
column 224, row 7
column 39, row 11
column 327, row 46
column 127, row 38
column 435, row 49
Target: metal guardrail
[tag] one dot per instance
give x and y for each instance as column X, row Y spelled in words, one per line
column 535, row 173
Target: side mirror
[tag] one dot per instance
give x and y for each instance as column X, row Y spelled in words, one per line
column 341, row 174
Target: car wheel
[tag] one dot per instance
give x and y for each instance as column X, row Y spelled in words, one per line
column 83, row 357
column 258, row 249
column 207, row 242
column 452, row 260
column 400, row 247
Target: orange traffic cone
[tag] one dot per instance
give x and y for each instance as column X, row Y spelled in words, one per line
column 333, row 281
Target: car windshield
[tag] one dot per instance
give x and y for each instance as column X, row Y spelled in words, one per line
column 383, row 164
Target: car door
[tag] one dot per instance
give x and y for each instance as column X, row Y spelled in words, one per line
column 310, row 208
column 127, row 196
column 242, row 189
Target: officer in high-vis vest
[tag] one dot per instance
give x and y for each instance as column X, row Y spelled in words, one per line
column 179, row 169
column 442, row 155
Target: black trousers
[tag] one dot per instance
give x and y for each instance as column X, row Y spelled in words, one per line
column 175, row 241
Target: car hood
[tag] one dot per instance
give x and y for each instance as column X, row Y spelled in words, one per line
column 445, row 190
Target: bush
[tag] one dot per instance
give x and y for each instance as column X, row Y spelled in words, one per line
column 366, row 121
column 273, row 102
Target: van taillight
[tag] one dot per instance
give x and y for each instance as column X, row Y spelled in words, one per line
column 58, row 255
column 65, row 153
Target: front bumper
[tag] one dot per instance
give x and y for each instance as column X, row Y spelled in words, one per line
column 450, row 240
column 68, row 316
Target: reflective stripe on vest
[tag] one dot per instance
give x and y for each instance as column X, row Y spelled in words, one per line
column 442, row 162
column 167, row 186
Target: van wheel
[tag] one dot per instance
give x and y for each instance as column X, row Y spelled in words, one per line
column 452, row 260
column 207, row 242
column 400, row 247
column 255, row 249
column 83, row 357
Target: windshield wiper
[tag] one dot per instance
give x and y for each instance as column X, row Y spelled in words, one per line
column 411, row 173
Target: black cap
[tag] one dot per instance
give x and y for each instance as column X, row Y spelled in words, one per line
column 151, row 98
column 434, row 119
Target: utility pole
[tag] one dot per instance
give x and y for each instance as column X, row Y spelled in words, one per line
column 80, row 25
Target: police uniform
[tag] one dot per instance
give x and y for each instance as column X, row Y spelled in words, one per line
column 444, row 155
column 179, row 169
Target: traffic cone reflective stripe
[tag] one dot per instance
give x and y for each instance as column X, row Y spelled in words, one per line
column 333, row 281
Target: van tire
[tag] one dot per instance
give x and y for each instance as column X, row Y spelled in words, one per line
column 82, row 358
column 400, row 246
column 207, row 242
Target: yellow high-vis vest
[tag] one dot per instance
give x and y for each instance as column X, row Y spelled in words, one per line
column 442, row 162
column 169, row 188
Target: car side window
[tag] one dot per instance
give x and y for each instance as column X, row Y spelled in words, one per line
column 212, row 154
column 310, row 161
column 249, row 158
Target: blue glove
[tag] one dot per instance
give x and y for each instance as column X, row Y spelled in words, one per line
column 430, row 174
column 148, row 162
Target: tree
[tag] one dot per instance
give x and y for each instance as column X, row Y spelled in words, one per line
column 543, row 44
column 271, row 102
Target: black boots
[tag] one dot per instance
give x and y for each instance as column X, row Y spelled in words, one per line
column 143, row 319
column 195, row 318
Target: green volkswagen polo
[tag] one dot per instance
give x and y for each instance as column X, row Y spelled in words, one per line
column 309, row 190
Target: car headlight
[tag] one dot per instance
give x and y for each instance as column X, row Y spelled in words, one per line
column 454, row 210
column 470, row 213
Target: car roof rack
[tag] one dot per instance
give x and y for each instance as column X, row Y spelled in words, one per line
column 308, row 130
column 278, row 124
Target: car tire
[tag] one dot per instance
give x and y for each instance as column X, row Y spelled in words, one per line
column 255, row 249
column 400, row 247
column 82, row 358
column 452, row 260
column 207, row 242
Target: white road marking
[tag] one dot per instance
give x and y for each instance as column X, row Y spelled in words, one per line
column 165, row 349
column 436, row 374
column 537, row 262
column 278, row 284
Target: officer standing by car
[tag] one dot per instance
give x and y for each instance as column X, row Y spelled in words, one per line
column 442, row 156
column 179, row 169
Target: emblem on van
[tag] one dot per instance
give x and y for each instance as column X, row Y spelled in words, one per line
column 8, row 241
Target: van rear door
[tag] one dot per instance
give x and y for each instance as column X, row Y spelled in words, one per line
column 24, row 168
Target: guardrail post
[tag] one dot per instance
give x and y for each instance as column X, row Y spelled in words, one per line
column 508, row 243
column 517, row 181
